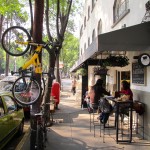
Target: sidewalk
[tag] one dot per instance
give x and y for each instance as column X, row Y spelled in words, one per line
column 71, row 131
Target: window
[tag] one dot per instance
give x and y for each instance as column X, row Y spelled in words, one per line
column 84, row 22
column 121, row 8
column 93, row 4
column 88, row 41
column 81, row 31
column 81, row 52
column 10, row 103
column 84, row 47
column 99, row 28
column 88, row 12
column 93, row 35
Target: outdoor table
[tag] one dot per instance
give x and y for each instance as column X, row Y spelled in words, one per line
column 118, row 105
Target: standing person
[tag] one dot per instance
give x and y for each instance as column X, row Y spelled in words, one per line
column 96, row 92
column 74, row 83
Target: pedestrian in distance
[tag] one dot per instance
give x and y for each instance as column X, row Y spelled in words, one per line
column 74, row 83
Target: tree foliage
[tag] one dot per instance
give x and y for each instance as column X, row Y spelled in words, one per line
column 70, row 51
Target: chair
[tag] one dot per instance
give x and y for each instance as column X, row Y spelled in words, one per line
column 93, row 120
column 106, row 109
column 139, row 109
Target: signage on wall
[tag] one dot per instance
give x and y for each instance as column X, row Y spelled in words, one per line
column 138, row 74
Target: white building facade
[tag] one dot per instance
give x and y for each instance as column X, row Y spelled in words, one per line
column 105, row 16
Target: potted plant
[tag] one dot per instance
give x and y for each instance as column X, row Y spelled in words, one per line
column 117, row 61
column 82, row 72
column 100, row 70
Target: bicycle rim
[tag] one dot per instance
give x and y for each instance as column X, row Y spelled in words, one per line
column 26, row 91
column 13, row 34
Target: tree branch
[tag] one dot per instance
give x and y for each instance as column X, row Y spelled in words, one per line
column 57, row 18
column 65, row 19
column 47, row 21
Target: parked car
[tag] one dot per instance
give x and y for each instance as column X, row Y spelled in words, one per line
column 11, row 118
column 6, row 85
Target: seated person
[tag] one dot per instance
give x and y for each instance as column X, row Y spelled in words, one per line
column 125, row 94
column 125, row 89
column 106, row 109
column 97, row 91
column 86, row 98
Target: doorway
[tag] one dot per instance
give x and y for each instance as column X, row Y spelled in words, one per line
column 122, row 75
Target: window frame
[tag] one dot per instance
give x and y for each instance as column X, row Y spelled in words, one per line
column 120, row 10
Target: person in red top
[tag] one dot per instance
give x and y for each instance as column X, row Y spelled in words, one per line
column 125, row 89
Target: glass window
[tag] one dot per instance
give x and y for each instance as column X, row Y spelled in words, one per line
column 9, row 103
column 93, row 4
column 99, row 29
column 88, row 41
column 93, row 35
column 85, row 47
column 89, row 12
column 81, row 31
column 84, row 22
column 81, row 51
column 120, row 8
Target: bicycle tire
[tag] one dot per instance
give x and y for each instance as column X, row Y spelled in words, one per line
column 26, row 90
column 39, row 138
column 10, row 36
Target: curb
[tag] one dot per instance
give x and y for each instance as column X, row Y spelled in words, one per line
column 21, row 143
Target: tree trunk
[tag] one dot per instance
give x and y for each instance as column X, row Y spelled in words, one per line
column 7, row 65
column 1, row 22
column 57, row 70
column 37, row 37
column 47, row 94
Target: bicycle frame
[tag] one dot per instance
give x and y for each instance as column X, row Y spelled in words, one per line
column 34, row 60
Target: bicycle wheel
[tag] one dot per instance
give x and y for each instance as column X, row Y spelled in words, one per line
column 26, row 91
column 39, row 138
column 9, row 38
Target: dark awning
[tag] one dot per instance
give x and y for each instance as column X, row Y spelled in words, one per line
column 134, row 38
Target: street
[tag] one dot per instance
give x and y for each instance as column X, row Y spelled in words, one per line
column 12, row 145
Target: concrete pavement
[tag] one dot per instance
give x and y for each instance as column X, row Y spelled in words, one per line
column 71, row 130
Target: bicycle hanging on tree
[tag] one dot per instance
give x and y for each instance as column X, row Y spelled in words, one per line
column 16, row 41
